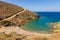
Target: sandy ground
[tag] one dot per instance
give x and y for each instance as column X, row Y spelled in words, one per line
column 18, row 30
column 55, row 35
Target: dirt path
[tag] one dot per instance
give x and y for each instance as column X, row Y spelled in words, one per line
column 14, row 15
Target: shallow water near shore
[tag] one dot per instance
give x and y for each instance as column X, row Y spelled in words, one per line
column 41, row 24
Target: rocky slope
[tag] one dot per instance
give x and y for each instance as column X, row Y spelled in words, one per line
column 11, row 18
column 14, row 15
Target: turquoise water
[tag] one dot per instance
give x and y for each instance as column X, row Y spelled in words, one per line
column 41, row 24
column 38, row 25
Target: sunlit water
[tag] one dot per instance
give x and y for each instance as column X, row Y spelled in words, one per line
column 41, row 24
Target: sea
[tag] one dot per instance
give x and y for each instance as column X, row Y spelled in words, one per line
column 42, row 24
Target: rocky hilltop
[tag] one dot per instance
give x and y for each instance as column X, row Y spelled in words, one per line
column 14, row 15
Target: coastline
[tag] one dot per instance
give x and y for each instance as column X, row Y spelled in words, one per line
column 17, row 30
column 55, row 35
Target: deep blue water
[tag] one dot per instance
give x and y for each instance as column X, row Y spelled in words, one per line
column 53, row 15
column 41, row 24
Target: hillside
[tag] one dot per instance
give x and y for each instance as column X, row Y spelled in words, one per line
column 15, row 14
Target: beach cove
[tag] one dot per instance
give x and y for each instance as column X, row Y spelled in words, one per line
column 22, row 24
column 42, row 24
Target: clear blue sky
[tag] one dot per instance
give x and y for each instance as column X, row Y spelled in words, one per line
column 37, row 5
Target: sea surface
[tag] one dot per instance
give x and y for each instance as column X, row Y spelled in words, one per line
column 42, row 24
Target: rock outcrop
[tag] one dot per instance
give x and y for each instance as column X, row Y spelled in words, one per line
column 15, row 15
column 12, row 16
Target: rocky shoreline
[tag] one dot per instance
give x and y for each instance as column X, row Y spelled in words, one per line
column 17, row 32
column 10, row 25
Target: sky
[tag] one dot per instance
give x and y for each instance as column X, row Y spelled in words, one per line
column 37, row 5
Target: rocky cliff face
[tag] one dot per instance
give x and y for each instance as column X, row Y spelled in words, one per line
column 12, row 14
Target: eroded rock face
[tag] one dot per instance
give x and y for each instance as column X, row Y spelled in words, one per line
column 15, row 14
